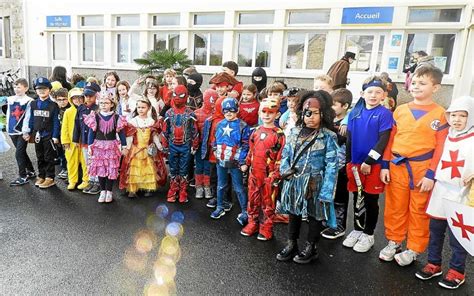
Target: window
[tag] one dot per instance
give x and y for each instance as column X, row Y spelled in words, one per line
column 424, row 15
column 60, row 44
column 93, row 47
column 127, row 20
column 208, row 19
column 128, row 47
column 320, row 16
column 5, row 37
column 92, row 21
column 208, row 49
column 305, row 51
column 362, row 45
column 254, row 49
column 169, row 19
column 256, row 18
column 439, row 46
column 162, row 41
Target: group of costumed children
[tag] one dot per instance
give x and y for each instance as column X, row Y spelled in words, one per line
column 298, row 167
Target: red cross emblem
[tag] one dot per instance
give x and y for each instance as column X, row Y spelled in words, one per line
column 464, row 228
column 18, row 112
column 453, row 164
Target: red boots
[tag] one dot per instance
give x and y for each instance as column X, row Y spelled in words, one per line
column 174, row 188
column 183, row 187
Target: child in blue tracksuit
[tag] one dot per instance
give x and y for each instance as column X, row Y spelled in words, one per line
column 231, row 147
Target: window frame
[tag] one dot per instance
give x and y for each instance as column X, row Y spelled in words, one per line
column 94, row 41
column 2, row 32
column 193, row 25
column 68, row 45
column 81, row 18
column 254, row 48
column 237, row 18
column 168, row 33
column 153, row 16
column 208, row 48
column 288, row 12
column 117, row 16
column 305, row 57
column 434, row 8
column 129, row 41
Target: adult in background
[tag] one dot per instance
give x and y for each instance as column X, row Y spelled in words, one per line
column 338, row 71
column 418, row 58
column 60, row 74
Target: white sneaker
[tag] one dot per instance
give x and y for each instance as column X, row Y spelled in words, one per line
column 406, row 257
column 207, row 192
column 352, row 238
column 102, row 196
column 199, row 191
column 364, row 243
column 389, row 251
column 108, row 196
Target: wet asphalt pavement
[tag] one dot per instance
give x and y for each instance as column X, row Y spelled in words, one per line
column 55, row 242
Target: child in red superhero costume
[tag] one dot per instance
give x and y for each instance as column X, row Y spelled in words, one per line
column 266, row 146
column 180, row 132
column 203, row 167
column 249, row 105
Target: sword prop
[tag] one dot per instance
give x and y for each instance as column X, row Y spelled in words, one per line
column 359, row 211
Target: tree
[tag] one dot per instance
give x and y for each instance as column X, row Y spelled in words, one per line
column 156, row 61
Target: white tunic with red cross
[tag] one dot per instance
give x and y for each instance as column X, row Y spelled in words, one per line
column 457, row 162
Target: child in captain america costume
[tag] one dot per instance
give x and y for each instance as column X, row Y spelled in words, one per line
column 266, row 146
column 230, row 148
column 203, row 167
column 181, row 139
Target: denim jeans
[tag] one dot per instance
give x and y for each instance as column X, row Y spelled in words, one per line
column 237, row 185
column 203, row 167
column 93, row 179
column 435, row 247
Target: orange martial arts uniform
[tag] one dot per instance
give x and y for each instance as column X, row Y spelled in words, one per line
column 415, row 147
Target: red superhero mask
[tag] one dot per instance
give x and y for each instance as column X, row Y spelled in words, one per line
column 209, row 99
column 180, row 96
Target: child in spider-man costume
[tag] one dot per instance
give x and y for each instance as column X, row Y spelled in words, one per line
column 180, row 132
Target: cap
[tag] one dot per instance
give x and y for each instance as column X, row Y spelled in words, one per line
column 75, row 92
column 42, row 82
column 55, row 85
column 291, row 92
column 350, row 54
column 91, row 89
column 230, row 104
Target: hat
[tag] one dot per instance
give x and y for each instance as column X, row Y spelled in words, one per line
column 230, row 104
column 350, row 54
column 42, row 82
column 55, row 85
column 223, row 77
column 75, row 92
column 91, row 89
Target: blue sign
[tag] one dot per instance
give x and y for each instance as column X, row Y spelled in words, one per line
column 392, row 63
column 367, row 15
column 58, row 21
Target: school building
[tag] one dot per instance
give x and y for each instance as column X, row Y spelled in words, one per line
column 292, row 40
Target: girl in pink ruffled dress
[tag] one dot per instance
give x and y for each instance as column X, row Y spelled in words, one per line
column 104, row 148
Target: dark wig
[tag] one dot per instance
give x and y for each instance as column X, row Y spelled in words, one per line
column 326, row 111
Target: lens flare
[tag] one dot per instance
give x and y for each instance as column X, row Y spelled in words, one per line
column 177, row 217
column 134, row 260
column 162, row 211
column 155, row 289
column 145, row 240
column 170, row 248
column 175, row 229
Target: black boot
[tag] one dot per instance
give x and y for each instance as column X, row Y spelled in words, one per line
column 309, row 253
column 289, row 251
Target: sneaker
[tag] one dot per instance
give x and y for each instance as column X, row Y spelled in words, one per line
column 207, row 192
column 352, row 238
column 102, row 196
column 364, row 243
column 48, row 182
column 429, row 271
column 227, row 206
column 88, row 187
column 388, row 253
column 249, row 229
column 262, row 237
column 30, row 175
column 71, row 186
column 242, row 218
column 39, row 181
column 212, row 203
column 19, row 181
column 406, row 257
column 217, row 213
column 63, row 174
column 108, row 196
column 95, row 189
column 452, row 280
column 331, row 233
column 199, row 192
column 83, row 186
